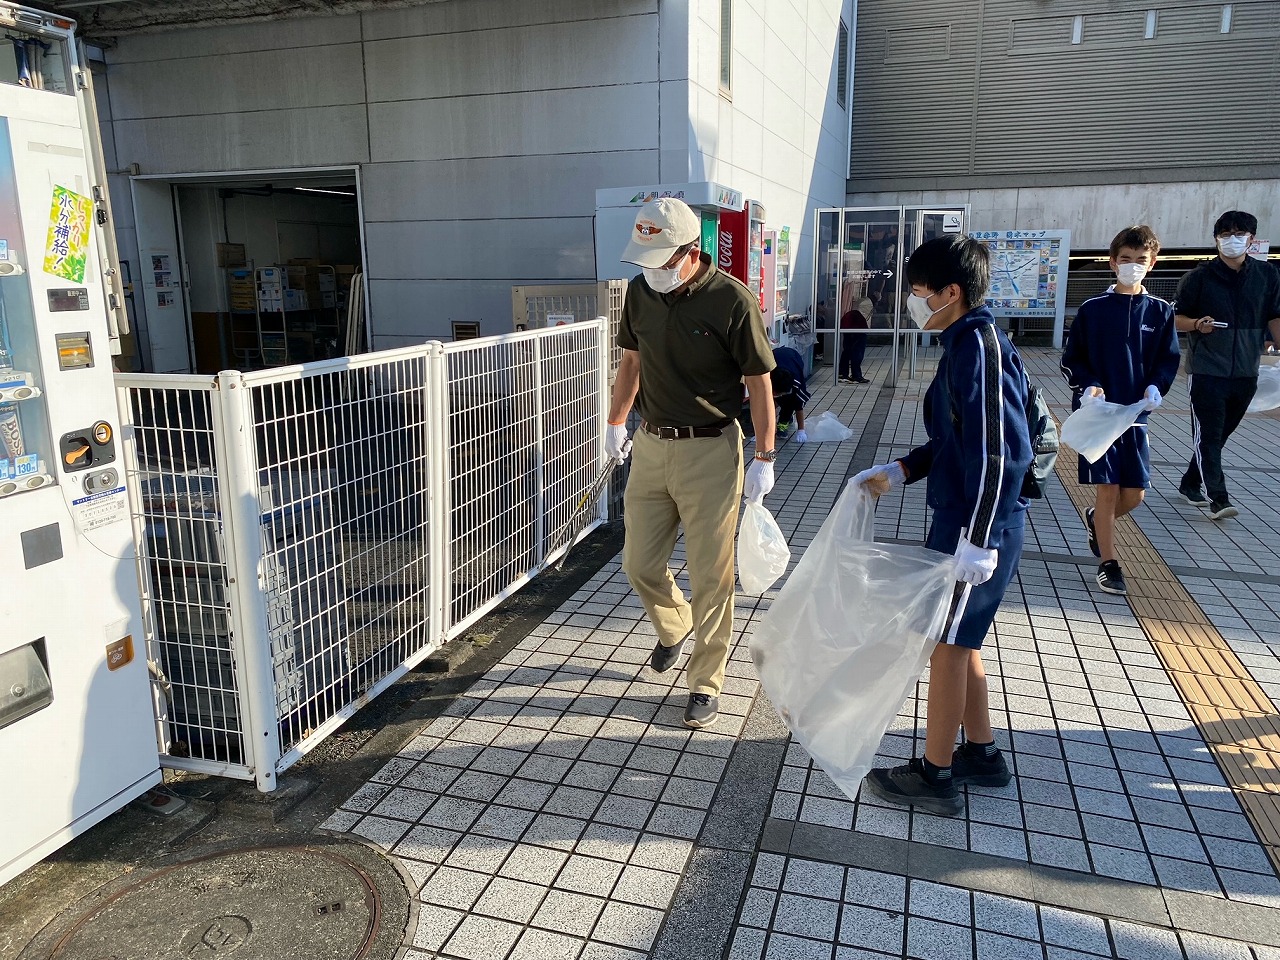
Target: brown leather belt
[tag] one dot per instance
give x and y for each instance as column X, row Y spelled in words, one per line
column 683, row 433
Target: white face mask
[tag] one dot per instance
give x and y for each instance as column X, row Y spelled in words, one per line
column 1232, row 247
column 918, row 308
column 663, row 279
column 1130, row 274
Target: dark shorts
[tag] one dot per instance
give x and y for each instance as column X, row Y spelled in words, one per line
column 973, row 609
column 1127, row 463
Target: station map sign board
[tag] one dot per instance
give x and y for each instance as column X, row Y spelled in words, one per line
column 1028, row 275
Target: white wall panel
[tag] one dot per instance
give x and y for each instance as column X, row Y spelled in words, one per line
column 457, row 17
column 411, row 311
column 239, row 83
column 245, row 141
column 553, row 121
column 517, row 187
column 481, row 249
column 266, row 37
column 591, row 53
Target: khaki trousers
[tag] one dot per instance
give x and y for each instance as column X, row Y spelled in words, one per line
column 697, row 484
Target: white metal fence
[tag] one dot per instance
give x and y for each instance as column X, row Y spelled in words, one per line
column 308, row 534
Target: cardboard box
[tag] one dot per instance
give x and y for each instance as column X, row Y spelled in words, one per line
column 271, row 275
column 270, row 290
column 295, row 300
column 270, row 304
column 327, row 282
column 328, row 299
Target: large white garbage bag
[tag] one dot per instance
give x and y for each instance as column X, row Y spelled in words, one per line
column 827, row 428
column 1091, row 430
column 763, row 553
column 1268, row 395
column 848, row 637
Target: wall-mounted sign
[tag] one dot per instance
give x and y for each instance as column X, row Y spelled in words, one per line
column 1028, row 274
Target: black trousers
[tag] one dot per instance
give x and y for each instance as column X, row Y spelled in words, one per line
column 1218, row 404
column 853, row 346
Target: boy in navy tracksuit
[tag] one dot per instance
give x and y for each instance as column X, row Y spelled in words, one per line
column 976, row 459
column 1122, row 346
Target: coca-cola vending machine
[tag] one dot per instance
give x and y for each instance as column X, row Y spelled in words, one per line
column 741, row 243
column 714, row 203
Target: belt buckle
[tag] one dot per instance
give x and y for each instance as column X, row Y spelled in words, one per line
column 669, row 433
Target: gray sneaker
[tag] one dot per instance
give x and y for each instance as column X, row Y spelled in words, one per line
column 701, row 711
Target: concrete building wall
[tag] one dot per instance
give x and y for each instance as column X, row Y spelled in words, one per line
column 1086, row 115
column 779, row 134
column 482, row 128
column 1181, row 213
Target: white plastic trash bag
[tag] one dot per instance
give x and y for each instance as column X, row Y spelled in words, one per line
column 1268, row 395
column 1091, row 430
column 763, row 553
column 827, row 428
column 848, row 637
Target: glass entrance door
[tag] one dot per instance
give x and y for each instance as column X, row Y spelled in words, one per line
column 861, row 289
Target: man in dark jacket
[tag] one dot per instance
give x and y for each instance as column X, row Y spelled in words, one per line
column 1227, row 306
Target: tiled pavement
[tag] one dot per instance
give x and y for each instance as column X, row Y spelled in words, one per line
column 560, row 809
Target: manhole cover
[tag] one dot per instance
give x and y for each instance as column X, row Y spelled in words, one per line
column 258, row 904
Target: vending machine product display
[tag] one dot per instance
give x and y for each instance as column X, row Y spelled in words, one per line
column 77, row 729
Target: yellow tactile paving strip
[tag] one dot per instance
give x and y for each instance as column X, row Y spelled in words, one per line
column 1237, row 719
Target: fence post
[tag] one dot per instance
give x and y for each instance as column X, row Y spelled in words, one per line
column 602, row 393
column 439, row 493
column 540, row 453
column 241, row 511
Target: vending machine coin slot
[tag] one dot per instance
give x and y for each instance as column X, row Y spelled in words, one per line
column 74, row 351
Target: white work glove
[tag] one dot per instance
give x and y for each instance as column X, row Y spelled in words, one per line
column 616, row 444
column 801, row 437
column 975, row 564
column 759, row 480
column 881, row 479
column 1153, row 398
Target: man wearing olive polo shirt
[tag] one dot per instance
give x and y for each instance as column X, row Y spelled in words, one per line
column 691, row 336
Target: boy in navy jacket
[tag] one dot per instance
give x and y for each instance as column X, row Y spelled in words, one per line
column 1122, row 346
column 976, row 458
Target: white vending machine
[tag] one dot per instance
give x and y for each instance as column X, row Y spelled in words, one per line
column 77, row 729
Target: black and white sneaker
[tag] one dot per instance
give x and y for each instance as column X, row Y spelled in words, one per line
column 1222, row 510
column 1093, row 533
column 907, row 786
column 1193, row 497
column 1110, row 579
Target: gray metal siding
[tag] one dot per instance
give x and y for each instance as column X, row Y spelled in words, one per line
column 913, row 87
column 989, row 87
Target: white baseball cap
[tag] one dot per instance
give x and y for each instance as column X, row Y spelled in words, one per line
column 662, row 227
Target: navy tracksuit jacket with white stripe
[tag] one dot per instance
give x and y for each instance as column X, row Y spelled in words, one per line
column 979, row 447
column 1122, row 343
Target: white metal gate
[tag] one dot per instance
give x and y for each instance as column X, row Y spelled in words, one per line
column 306, row 535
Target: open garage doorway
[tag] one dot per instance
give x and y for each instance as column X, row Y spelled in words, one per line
column 248, row 270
